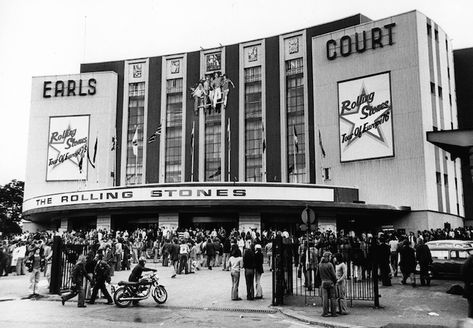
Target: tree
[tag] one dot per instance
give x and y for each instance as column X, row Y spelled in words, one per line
column 11, row 202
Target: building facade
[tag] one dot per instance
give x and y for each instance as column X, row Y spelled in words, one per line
column 333, row 117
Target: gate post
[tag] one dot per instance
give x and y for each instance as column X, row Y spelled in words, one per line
column 55, row 283
column 278, row 272
column 375, row 285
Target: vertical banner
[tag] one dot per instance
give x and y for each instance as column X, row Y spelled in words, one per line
column 67, row 148
column 365, row 118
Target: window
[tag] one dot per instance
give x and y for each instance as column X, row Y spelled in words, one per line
column 213, row 168
column 173, row 160
column 134, row 157
column 439, row 191
column 295, row 120
column 253, row 125
column 432, row 88
column 327, row 173
column 440, row 91
column 436, row 35
column 429, row 29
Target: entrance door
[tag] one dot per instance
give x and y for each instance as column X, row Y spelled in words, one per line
column 208, row 222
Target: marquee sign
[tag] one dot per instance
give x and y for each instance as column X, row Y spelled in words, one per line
column 181, row 193
column 365, row 118
column 67, row 148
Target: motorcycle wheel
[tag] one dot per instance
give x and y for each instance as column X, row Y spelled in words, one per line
column 118, row 295
column 160, row 294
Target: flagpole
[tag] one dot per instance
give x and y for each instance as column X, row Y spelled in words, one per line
column 192, row 154
column 95, row 160
column 229, row 150
column 295, row 148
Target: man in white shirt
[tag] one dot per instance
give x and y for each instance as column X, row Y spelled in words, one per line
column 394, row 245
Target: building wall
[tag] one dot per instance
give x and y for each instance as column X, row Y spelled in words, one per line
column 442, row 175
column 408, row 178
column 101, row 109
column 396, row 180
column 463, row 59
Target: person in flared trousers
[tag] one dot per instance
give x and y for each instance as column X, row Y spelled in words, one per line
column 341, row 285
column 259, row 259
column 235, row 263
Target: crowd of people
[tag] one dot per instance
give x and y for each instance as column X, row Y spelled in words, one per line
column 323, row 260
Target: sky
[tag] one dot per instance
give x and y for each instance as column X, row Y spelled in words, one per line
column 53, row 37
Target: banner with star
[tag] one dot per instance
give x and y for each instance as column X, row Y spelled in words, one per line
column 365, row 118
column 67, row 146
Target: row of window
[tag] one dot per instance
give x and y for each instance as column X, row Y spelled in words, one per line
column 253, row 127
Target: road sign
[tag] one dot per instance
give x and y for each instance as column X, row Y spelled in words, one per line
column 308, row 215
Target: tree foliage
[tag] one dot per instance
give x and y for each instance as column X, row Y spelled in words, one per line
column 11, row 202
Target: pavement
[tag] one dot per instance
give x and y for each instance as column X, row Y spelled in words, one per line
column 401, row 305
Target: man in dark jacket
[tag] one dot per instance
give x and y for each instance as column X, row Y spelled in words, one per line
column 407, row 263
column 135, row 274
column 424, row 257
column 249, row 266
column 78, row 274
column 329, row 279
column 210, row 252
column 383, row 253
column 226, row 253
column 101, row 275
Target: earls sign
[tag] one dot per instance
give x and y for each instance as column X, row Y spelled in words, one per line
column 360, row 42
column 69, row 88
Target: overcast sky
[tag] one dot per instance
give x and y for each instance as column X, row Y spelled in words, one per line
column 54, row 37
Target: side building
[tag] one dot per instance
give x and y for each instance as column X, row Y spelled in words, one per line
column 245, row 136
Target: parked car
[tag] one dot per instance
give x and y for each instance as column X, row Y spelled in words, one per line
column 448, row 257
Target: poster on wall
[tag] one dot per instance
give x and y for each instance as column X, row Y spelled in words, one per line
column 67, row 148
column 365, row 118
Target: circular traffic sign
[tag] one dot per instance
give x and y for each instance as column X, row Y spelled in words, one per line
column 308, row 215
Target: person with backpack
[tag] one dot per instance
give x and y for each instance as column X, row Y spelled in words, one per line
column 101, row 275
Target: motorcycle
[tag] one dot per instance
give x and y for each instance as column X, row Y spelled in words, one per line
column 138, row 291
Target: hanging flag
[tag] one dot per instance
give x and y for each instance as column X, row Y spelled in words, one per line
column 296, row 141
column 264, row 139
column 321, row 145
column 114, row 144
column 95, row 148
column 155, row 135
column 81, row 161
column 92, row 162
column 134, row 142
column 192, row 136
column 217, row 173
column 291, row 169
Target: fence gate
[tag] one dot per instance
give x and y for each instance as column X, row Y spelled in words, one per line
column 290, row 279
column 63, row 260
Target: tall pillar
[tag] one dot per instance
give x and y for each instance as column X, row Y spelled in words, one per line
column 64, row 224
column 104, row 222
column 249, row 222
